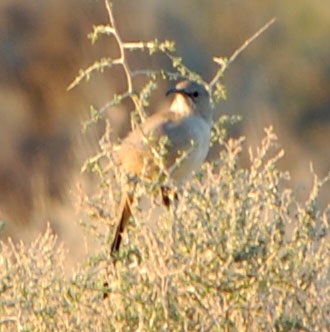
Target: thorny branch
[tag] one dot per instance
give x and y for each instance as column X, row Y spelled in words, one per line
column 167, row 47
column 128, row 73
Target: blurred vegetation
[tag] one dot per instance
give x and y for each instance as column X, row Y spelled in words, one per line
column 283, row 80
column 222, row 259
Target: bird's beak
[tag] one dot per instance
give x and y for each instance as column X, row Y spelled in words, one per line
column 174, row 90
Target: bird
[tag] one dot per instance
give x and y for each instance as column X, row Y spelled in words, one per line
column 185, row 127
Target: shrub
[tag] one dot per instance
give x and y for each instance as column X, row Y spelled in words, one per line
column 236, row 252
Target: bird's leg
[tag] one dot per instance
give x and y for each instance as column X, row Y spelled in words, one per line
column 166, row 192
column 165, row 196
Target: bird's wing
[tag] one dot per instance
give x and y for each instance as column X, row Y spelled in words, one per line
column 136, row 147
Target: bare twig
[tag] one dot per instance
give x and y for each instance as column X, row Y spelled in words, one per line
column 98, row 65
column 138, row 45
column 128, row 73
column 152, row 73
column 112, row 29
column 224, row 64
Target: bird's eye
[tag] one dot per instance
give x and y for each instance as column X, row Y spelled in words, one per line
column 195, row 94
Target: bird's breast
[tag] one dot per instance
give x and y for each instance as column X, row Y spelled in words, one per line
column 200, row 133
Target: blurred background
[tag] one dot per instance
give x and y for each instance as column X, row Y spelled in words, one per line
column 282, row 79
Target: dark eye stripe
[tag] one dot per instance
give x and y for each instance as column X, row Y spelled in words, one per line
column 194, row 94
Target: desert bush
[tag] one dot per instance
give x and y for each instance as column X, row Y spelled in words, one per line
column 236, row 252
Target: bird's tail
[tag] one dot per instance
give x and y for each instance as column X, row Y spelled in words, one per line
column 124, row 215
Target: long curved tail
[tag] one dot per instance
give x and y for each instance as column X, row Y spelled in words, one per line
column 124, row 215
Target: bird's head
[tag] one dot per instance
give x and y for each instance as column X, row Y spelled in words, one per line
column 191, row 97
